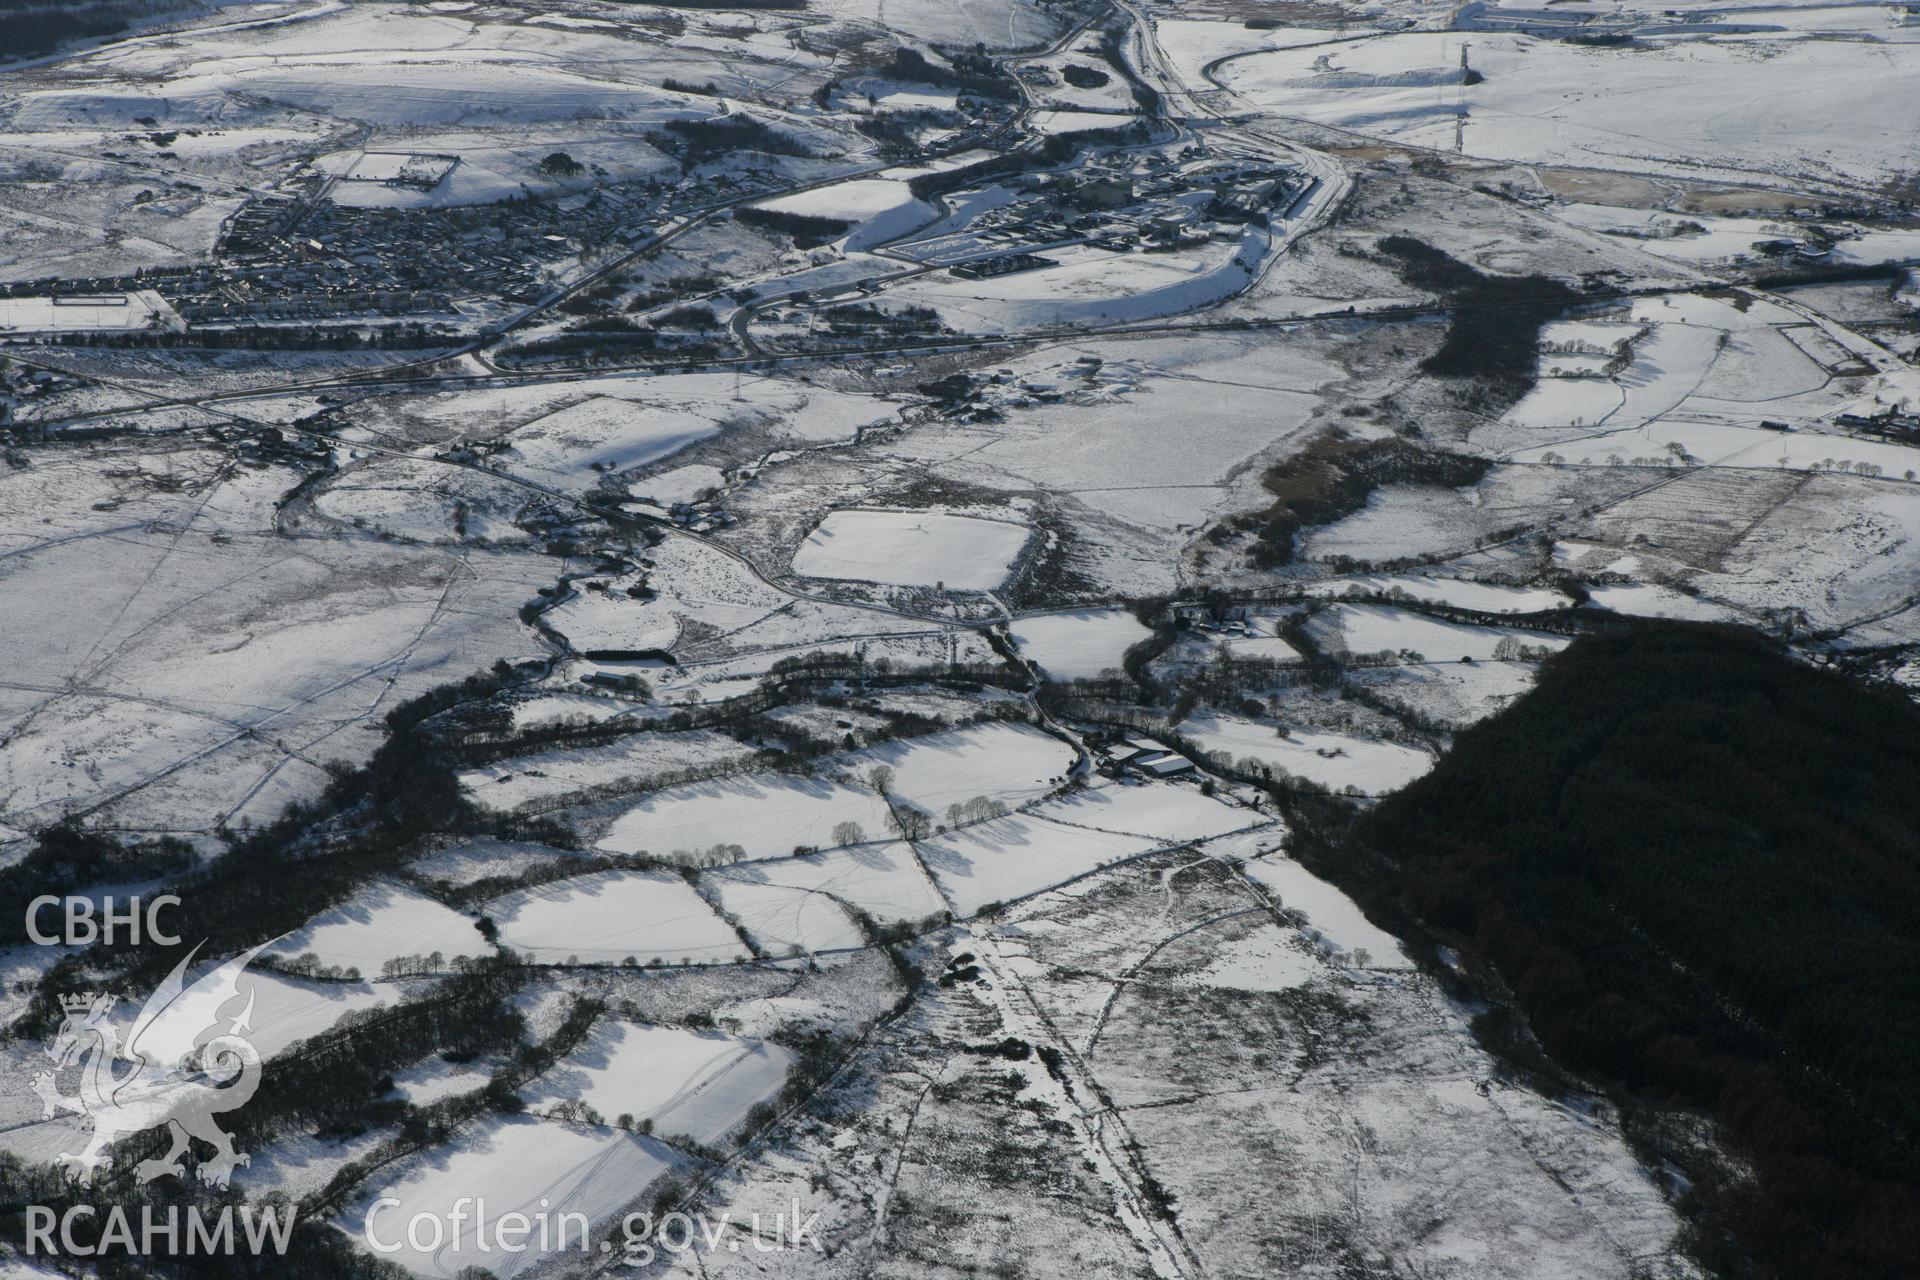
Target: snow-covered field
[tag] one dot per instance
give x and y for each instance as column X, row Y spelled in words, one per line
column 1333, row 920
column 1647, row 600
column 912, row 548
column 767, row 816
column 1709, row 383
column 140, row 310
column 1723, row 444
column 284, row 1011
column 1464, row 593
column 883, row 880
column 571, row 448
column 537, row 1168
column 1335, row 761
column 608, row 917
column 1090, row 286
column 1679, row 105
column 1013, row 857
column 692, row 1084
column 1006, row 762
column 380, row 923
column 1703, row 239
column 881, row 208
column 1370, row 629
column 1268, row 959
column 199, row 673
column 379, row 64
column 1079, row 643
column 782, row 920
column 1160, row 810
column 629, row 761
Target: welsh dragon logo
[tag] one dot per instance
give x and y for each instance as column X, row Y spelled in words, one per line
column 166, row 1071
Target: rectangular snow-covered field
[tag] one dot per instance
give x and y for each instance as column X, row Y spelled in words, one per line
column 1366, row 628
column 766, row 816
column 73, row 313
column 604, row 918
column 781, row 920
column 1162, row 810
column 1006, row 762
column 380, row 923
column 1079, row 643
column 883, row 880
column 1014, row 857
column 691, row 1084
column 912, row 549
column 1332, row 760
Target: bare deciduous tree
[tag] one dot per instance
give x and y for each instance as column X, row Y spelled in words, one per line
column 911, row 823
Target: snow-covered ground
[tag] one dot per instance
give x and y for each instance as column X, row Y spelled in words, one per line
column 1335, row 761
column 884, row 880
column 881, row 208
column 1160, row 810
column 608, row 917
column 1079, row 643
column 1708, row 383
column 1372, row 629
column 912, row 548
column 200, row 674
column 765, row 816
column 1006, row 762
column 782, row 920
column 1268, row 959
column 1681, row 105
column 697, row 1085
column 571, row 448
column 1464, row 593
column 1648, row 600
column 537, row 1168
column 283, row 1011
column 216, row 620
column 1333, row 921
column 1010, row 858
column 630, row 761
column 143, row 309
column 380, row 923
column 1091, row 286
column 1703, row 239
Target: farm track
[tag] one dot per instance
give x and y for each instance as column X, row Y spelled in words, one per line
column 1132, row 973
column 1158, row 1232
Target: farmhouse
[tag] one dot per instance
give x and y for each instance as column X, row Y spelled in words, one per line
column 1163, row 766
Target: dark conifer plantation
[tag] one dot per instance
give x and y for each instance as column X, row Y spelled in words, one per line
column 1696, row 862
